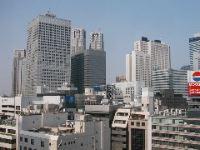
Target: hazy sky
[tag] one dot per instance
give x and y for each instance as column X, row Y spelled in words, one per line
column 122, row 22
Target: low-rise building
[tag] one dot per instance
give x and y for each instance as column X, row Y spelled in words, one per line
column 139, row 129
column 7, row 134
column 172, row 131
column 84, row 133
column 120, row 129
column 10, row 106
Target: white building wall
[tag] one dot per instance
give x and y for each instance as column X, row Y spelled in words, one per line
column 128, row 67
column 96, row 135
column 141, row 67
column 13, row 105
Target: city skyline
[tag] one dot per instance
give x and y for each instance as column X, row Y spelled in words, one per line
column 121, row 24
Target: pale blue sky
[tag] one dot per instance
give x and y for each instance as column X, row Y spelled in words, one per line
column 122, row 22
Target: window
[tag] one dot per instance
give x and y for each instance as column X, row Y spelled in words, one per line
column 11, row 131
column 42, row 143
column 21, row 139
column 138, row 124
column 26, row 140
column 17, row 107
column 143, row 123
column 25, row 148
column 32, row 141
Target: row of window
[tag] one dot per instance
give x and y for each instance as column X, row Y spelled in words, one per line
column 138, row 124
column 26, row 140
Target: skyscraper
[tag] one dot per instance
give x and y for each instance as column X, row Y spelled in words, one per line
column 138, row 67
column 78, row 41
column 48, row 53
column 158, row 51
column 96, row 41
column 88, row 68
column 17, row 72
column 194, row 48
column 146, row 57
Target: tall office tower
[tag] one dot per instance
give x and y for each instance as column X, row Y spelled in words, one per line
column 17, row 72
column 96, row 41
column 78, row 41
column 88, row 69
column 194, row 48
column 138, row 67
column 158, row 51
column 48, row 53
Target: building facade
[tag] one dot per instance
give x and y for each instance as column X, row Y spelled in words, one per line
column 194, row 50
column 119, row 136
column 175, row 132
column 17, row 72
column 88, row 68
column 158, row 51
column 170, row 79
column 147, row 57
column 78, row 41
column 138, row 67
column 84, row 133
column 7, row 134
column 139, row 128
column 48, row 53
column 96, row 41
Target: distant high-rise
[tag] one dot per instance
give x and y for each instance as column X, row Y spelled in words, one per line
column 48, row 53
column 159, row 52
column 88, row 69
column 17, row 72
column 78, row 41
column 138, row 67
column 96, row 41
column 194, row 48
column 146, row 57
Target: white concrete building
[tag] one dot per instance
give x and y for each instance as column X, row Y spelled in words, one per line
column 138, row 67
column 120, row 129
column 96, row 41
column 78, row 41
column 48, row 53
column 17, row 72
column 146, row 57
column 7, row 134
column 158, row 51
column 147, row 100
column 129, row 91
column 11, row 106
column 84, row 133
